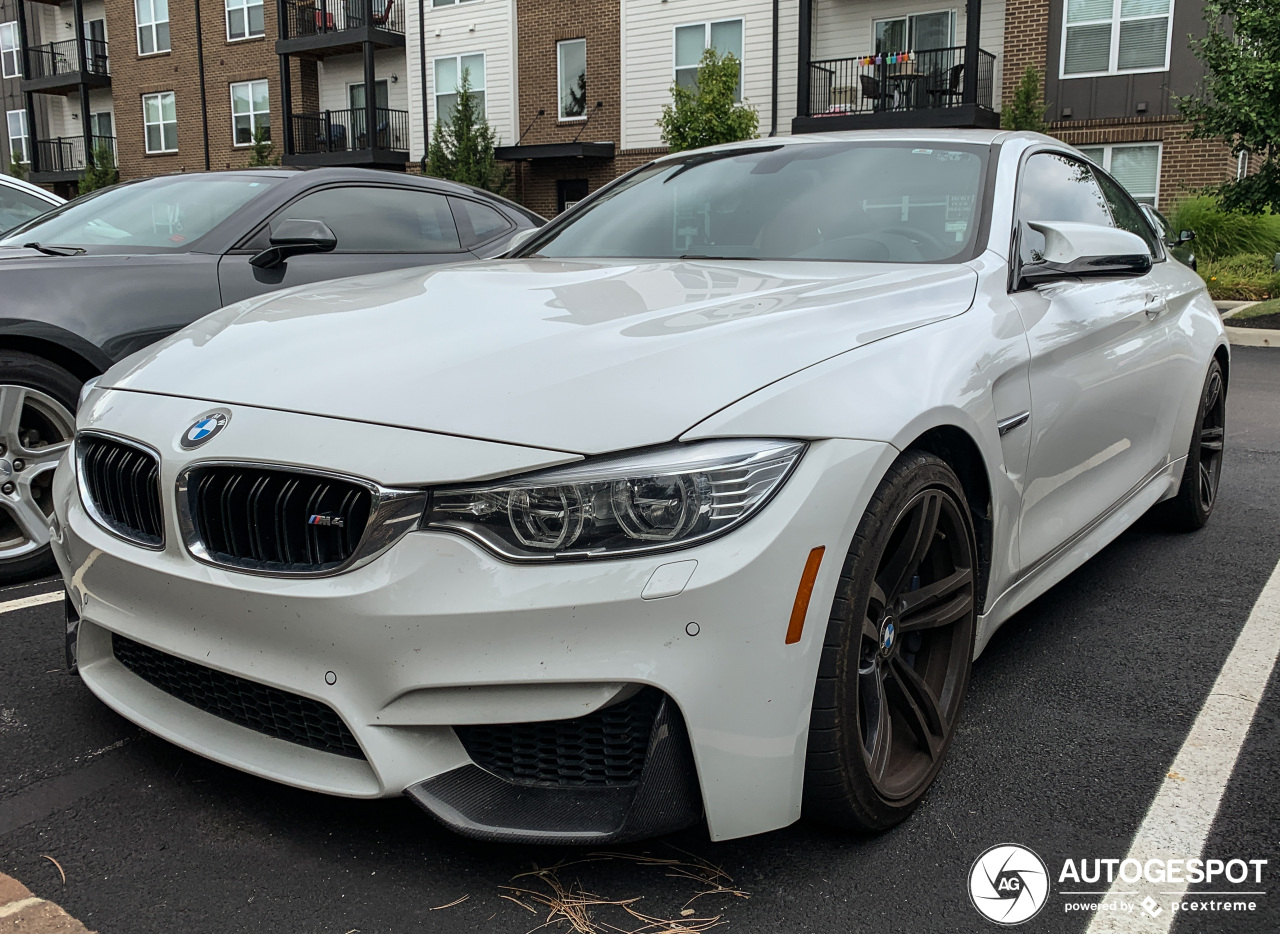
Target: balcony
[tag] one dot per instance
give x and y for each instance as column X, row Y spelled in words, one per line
column 320, row 28
column 63, row 159
column 910, row 89
column 60, row 67
column 338, row 137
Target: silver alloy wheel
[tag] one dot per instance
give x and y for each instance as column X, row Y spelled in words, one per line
column 35, row 430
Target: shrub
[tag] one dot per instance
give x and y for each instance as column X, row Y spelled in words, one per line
column 101, row 172
column 1245, row 277
column 1026, row 110
column 263, row 151
column 1221, row 233
column 707, row 115
column 461, row 149
column 16, row 168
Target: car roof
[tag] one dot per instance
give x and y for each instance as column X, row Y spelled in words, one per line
column 30, row 189
column 941, row 136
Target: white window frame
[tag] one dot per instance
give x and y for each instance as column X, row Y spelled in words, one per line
column 7, row 51
column 706, row 25
column 25, row 136
column 161, row 124
column 253, row 114
column 1109, row 148
column 439, row 4
column 1113, row 63
column 243, row 6
column 435, row 88
column 559, row 101
column 151, row 24
column 955, row 22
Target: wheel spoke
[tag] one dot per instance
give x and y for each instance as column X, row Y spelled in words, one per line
column 1215, row 392
column 1206, row 485
column 33, row 523
column 870, row 630
column 920, row 708
column 914, row 601
column 11, row 402
column 1211, row 439
column 916, row 540
column 879, row 738
column 944, row 614
column 46, row 457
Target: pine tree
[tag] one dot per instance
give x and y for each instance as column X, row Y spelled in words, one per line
column 263, row 152
column 101, row 171
column 707, row 114
column 1027, row 109
column 461, row 148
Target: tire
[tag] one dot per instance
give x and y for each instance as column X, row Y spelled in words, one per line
column 1191, row 508
column 37, row 423
column 859, row 773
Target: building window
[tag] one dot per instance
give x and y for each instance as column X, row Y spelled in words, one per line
column 1136, row 167
column 244, row 19
column 435, row 3
column 916, row 33
column 153, row 26
column 1108, row 37
column 448, row 73
column 571, row 66
column 691, row 41
column 10, row 50
column 160, row 121
column 250, row 112
column 18, row 146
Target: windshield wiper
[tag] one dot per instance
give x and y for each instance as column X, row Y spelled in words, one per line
column 54, row 250
column 755, row 259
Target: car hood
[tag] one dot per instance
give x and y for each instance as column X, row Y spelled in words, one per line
column 580, row 356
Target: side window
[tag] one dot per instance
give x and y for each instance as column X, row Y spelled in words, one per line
column 377, row 220
column 17, row 207
column 1127, row 215
column 477, row 223
column 1053, row 187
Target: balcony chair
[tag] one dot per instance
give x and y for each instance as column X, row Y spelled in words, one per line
column 944, row 95
column 874, row 93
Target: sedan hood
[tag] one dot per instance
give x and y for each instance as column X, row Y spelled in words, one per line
column 580, row 356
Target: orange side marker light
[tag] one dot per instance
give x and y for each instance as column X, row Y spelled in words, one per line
column 801, row 607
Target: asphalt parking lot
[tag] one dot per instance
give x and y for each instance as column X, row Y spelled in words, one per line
column 1075, row 712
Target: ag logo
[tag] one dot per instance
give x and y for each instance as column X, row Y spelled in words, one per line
column 205, row 427
column 1008, row 884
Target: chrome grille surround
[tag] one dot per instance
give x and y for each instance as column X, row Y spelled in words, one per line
column 101, row 513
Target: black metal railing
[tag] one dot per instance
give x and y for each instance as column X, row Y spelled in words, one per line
column 316, row 17
column 66, row 153
column 928, row 79
column 344, row 130
column 62, row 58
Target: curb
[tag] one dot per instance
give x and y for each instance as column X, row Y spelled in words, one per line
column 20, row 911
column 1254, row 337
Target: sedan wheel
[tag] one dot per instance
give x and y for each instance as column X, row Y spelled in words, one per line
column 36, row 428
column 1191, row 507
column 898, row 651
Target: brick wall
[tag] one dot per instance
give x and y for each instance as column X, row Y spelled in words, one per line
column 225, row 62
column 541, row 24
column 1026, row 42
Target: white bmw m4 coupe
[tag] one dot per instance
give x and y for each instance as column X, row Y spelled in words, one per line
column 696, row 506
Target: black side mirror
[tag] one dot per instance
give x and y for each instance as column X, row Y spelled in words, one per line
column 295, row 237
column 1186, row 236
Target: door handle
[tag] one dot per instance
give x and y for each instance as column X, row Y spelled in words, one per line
column 1155, row 307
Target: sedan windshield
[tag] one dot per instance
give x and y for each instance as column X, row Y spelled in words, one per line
column 158, row 214
column 897, row 202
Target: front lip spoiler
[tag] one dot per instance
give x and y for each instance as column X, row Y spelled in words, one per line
column 478, row 804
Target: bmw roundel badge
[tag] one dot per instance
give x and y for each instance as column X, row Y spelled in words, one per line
column 205, row 427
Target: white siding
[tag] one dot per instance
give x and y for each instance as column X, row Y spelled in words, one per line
column 648, row 59
column 486, row 26
column 336, row 74
column 845, row 28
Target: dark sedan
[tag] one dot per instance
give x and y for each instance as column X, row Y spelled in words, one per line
column 108, row 274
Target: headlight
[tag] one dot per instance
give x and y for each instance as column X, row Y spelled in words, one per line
column 656, row 500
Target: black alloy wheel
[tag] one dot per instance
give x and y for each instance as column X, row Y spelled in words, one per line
column 1198, row 493
column 898, row 651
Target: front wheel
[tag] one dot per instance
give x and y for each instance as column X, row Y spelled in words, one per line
column 1198, row 493
column 37, row 402
column 899, row 646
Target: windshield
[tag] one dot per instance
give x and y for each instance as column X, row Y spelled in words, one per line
column 898, row 202
column 158, row 214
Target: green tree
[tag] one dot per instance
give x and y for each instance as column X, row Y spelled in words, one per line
column 707, row 113
column 263, row 151
column 16, row 168
column 1240, row 104
column 1027, row 108
column 101, row 171
column 461, row 148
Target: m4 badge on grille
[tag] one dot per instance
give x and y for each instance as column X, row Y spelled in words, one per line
column 336, row 521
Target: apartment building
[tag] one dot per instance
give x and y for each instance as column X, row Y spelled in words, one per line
column 165, row 93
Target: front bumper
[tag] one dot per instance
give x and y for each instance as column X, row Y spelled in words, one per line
column 437, row 633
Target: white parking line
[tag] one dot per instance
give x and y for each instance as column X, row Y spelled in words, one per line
column 1179, row 819
column 25, row 602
